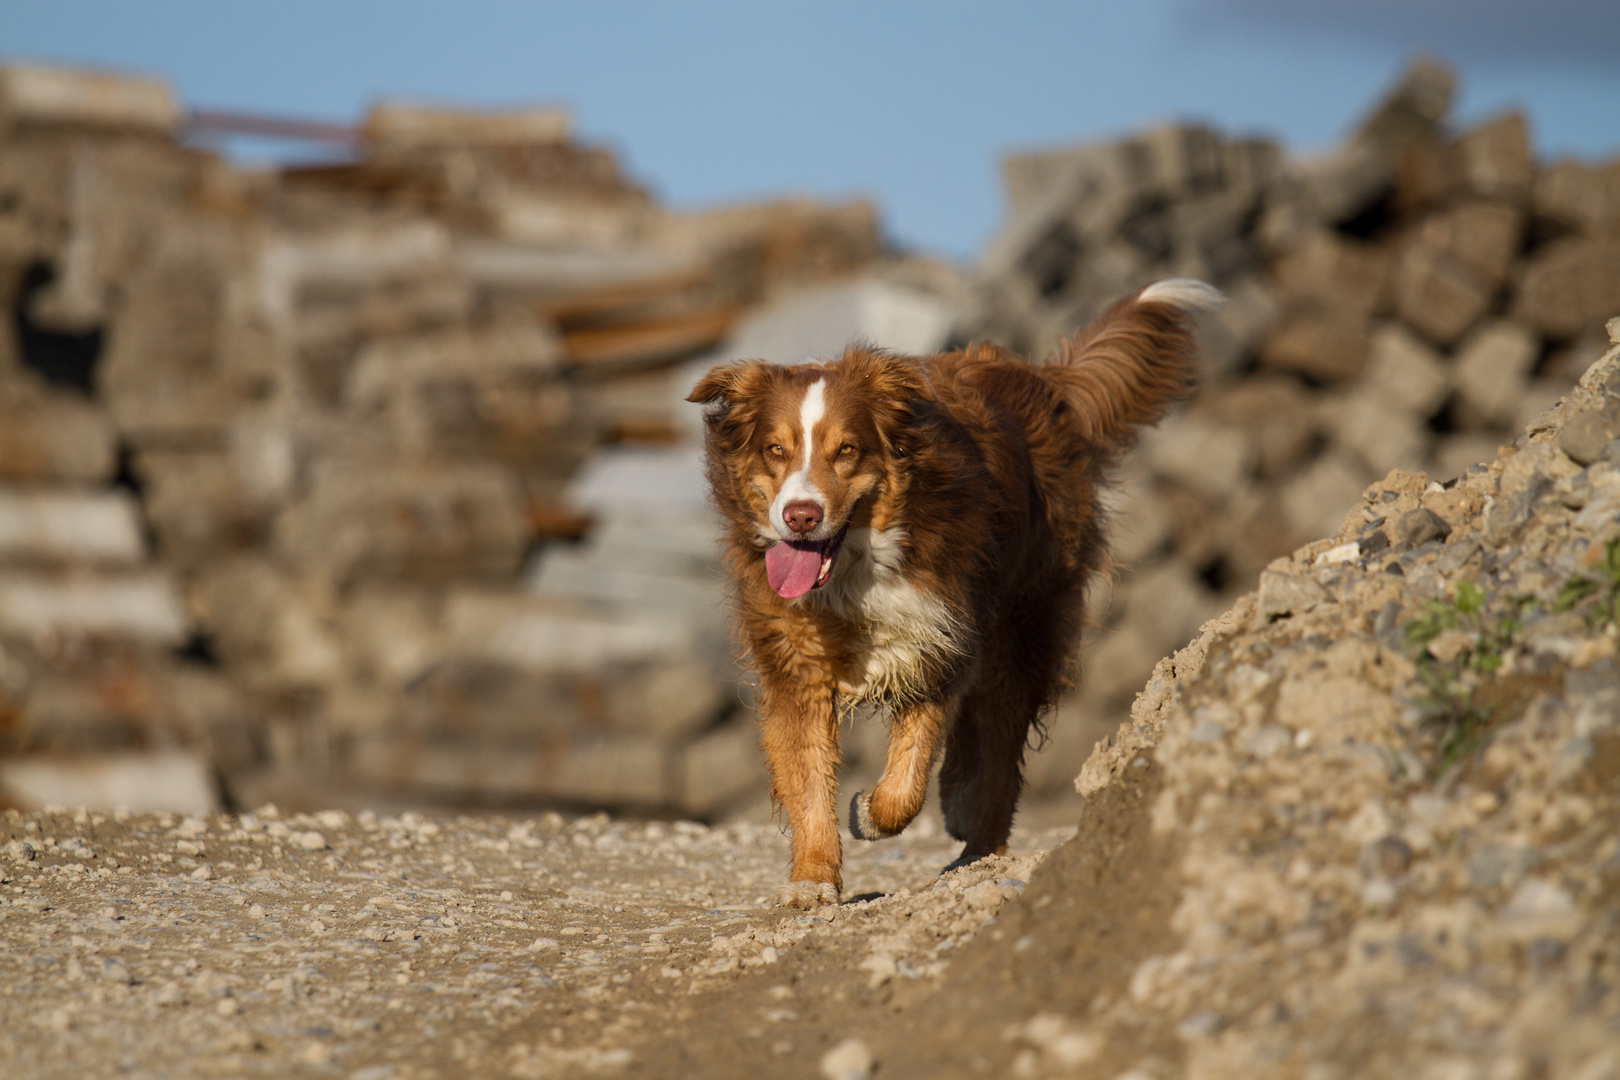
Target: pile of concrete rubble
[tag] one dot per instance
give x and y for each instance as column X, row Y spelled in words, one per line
column 1409, row 300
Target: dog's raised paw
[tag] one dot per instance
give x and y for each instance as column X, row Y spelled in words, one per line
column 861, row 826
column 807, row 894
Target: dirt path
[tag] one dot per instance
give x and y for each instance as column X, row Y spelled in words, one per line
column 404, row 947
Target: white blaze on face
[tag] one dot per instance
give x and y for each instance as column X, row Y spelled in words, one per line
column 797, row 487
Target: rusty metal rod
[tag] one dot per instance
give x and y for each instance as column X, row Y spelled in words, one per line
column 204, row 122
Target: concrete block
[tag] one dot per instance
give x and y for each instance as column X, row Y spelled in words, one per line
column 1166, row 603
column 197, row 509
column 1381, row 432
column 380, row 520
column 1493, row 366
column 177, row 782
column 493, row 394
column 393, row 632
column 1335, row 271
column 1436, row 294
column 537, row 634
column 393, row 126
column 719, row 769
column 1326, row 344
column 1483, row 235
column 1579, row 195
column 622, row 482
column 821, row 322
column 55, row 438
column 64, row 527
column 33, row 95
column 1227, row 338
column 1176, row 160
column 1116, row 661
column 274, row 629
column 1494, row 158
column 618, row 772
column 1205, row 455
column 1568, row 286
column 1405, row 369
column 1315, row 501
column 141, row 607
column 1413, row 110
column 1139, row 523
column 670, row 699
column 1276, row 412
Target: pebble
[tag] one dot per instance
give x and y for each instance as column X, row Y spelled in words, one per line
column 309, row 840
column 1420, row 526
column 849, row 1060
column 984, row 896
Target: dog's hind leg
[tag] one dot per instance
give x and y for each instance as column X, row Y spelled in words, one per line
column 799, row 734
column 916, row 733
column 982, row 776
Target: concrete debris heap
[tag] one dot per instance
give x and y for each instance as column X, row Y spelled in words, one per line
column 1410, row 300
column 275, row 447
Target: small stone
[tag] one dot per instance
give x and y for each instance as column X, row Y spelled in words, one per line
column 255, row 911
column 1199, row 1025
column 985, row 896
column 228, row 1006
column 114, row 970
column 1388, row 857
column 849, row 1060
column 308, row 841
column 1337, row 556
column 192, row 827
column 1420, row 526
column 1288, row 594
column 1269, row 741
column 1585, row 436
column 203, row 873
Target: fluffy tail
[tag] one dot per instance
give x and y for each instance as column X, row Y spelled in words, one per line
column 1134, row 360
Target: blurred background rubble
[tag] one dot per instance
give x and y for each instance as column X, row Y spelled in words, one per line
column 369, row 481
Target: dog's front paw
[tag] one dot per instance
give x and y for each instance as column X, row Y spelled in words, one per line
column 861, row 826
column 807, row 894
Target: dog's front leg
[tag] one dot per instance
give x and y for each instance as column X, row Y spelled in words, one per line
column 916, row 733
column 800, row 739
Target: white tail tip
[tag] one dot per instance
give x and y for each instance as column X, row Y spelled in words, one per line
column 1184, row 293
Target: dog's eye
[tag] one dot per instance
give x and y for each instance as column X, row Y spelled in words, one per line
column 845, row 450
column 775, row 449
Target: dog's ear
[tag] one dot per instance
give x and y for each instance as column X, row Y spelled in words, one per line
column 727, row 394
column 902, row 397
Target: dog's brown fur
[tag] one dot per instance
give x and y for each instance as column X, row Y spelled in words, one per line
column 968, row 485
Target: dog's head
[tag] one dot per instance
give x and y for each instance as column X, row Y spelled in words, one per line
column 805, row 451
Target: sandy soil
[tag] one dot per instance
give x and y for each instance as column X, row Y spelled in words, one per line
column 400, row 947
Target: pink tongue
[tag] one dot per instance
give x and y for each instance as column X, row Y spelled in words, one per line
column 791, row 569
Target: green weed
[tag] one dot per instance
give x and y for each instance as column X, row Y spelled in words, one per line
column 1579, row 587
column 1452, row 713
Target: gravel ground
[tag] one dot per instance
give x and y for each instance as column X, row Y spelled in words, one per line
column 400, row 947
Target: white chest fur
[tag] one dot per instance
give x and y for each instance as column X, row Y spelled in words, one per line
column 904, row 629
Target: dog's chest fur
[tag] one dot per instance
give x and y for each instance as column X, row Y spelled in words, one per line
column 904, row 634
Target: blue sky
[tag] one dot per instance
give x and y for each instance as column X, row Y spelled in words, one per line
column 911, row 103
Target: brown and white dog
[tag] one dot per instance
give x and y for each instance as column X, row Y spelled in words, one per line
column 919, row 532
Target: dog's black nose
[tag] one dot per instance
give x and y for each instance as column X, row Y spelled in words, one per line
column 802, row 517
